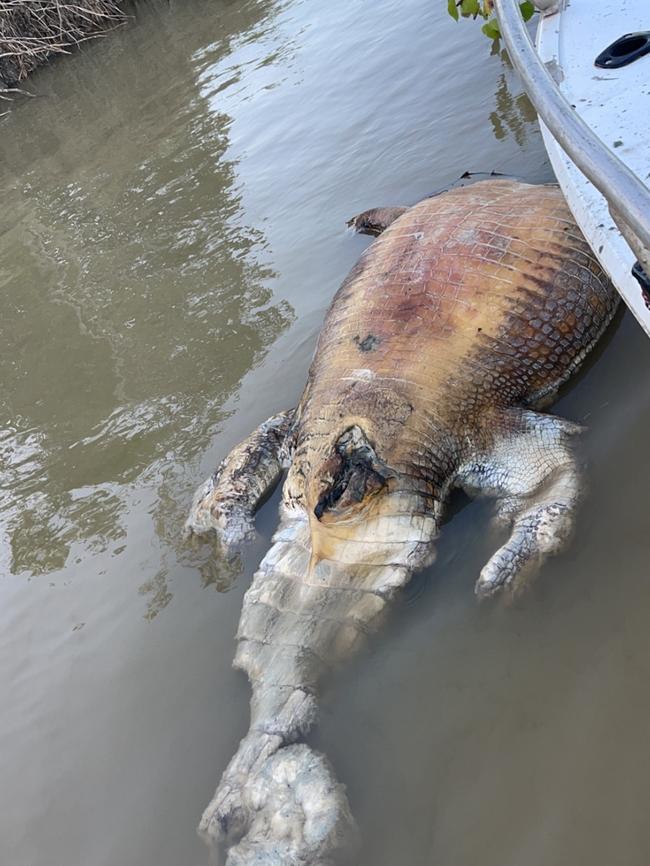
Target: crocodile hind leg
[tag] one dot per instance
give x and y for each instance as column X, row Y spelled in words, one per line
column 226, row 503
column 532, row 472
column 375, row 220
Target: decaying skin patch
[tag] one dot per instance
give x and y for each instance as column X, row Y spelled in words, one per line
column 368, row 343
column 351, row 475
column 464, row 316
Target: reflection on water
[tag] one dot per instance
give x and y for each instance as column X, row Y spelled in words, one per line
column 172, row 230
column 122, row 277
column 512, row 114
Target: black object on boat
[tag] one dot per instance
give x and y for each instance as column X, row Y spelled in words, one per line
column 643, row 280
column 625, row 50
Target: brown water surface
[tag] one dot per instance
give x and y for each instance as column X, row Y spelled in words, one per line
column 171, row 233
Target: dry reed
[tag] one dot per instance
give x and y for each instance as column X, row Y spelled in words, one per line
column 32, row 31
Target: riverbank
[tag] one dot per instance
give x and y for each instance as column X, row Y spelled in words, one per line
column 34, row 31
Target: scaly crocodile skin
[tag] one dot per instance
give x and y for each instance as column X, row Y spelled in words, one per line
column 469, row 310
column 481, row 299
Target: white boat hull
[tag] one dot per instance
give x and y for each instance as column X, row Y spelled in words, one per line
column 615, row 103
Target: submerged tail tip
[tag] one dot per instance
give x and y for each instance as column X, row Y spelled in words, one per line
column 288, row 810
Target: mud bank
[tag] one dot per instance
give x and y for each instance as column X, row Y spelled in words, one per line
column 33, row 31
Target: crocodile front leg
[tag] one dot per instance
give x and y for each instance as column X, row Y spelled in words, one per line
column 375, row 220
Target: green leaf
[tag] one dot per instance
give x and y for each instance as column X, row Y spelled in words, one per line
column 452, row 9
column 527, row 10
column 469, row 7
column 491, row 29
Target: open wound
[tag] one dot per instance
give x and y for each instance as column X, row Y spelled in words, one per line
column 351, row 473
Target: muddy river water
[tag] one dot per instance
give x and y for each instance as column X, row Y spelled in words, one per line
column 173, row 203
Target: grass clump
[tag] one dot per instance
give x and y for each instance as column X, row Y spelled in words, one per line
column 32, row 31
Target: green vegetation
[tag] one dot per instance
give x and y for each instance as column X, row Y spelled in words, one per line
column 484, row 9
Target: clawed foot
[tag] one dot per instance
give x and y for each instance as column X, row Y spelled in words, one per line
column 226, row 503
column 217, row 559
column 230, row 526
column 505, row 572
column 538, row 532
column 288, row 809
column 376, row 220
